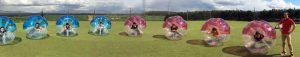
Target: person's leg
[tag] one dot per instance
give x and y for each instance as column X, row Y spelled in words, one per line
column 3, row 39
column 289, row 41
column 172, row 34
column 68, row 32
column 138, row 32
column 176, row 34
column 132, row 31
column 179, row 34
column 64, row 32
column 283, row 44
column 169, row 34
column 135, row 32
column 95, row 30
column 100, row 31
column 31, row 32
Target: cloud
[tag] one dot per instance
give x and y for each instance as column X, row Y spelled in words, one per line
column 281, row 4
column 183, row 5
column 229, row 2
column 180, row 5
column 123, row 6
column 60, row 5
column 241, row 4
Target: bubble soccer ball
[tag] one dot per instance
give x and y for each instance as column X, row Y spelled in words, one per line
column 135, row 20
column 100, row 25
column 265, row 43
column 222, row 28
column 67, row 25
column 7, row 29
column 176, row 21
column 35, row 27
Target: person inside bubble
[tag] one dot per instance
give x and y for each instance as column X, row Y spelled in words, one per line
column 174, row 29
column 258, row 37
column 215, row 37
column 135, row 29
column 258, row 42
column 67, row 26
column 214, row 32
column 2, row 32
column 67, row 29
column 100, row 28
column 38, row 27
column 36, row 32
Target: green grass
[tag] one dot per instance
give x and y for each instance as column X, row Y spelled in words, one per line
column 115, row 45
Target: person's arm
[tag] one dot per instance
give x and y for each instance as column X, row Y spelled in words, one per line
column 218, row 32
column 137, row 27
column 278, row 25
column 70, row 28
column 262, row 37
column 253, row 38
column 95, row 29
column 294, row 26
column 63, row 29
column 209, row 32
column 103, row 27
column 39, row 28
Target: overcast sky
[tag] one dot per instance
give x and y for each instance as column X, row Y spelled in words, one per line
column 137, row 5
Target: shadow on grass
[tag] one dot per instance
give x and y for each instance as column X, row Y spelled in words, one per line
column 163, row 37
column 198, row 42
column 58, row 34
column 39, row 38
column 91, row 33
column 244, row 52
column 16, row 41
column 125, row 34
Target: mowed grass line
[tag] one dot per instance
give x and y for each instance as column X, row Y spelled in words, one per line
column 115, row 45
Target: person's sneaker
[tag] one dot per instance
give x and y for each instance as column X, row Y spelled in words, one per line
column 292, row 55
column 283, row 54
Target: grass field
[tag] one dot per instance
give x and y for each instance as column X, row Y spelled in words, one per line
column 115, row 45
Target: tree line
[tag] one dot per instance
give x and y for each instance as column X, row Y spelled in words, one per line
column 238, row 15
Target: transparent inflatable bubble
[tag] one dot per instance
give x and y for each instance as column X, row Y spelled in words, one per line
column 134, row 25
column 175, row 27
column 67, row 25
column 259, row 36
column 7, row 29
column 35, row 27
column 215, row 30
column 100, row 25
